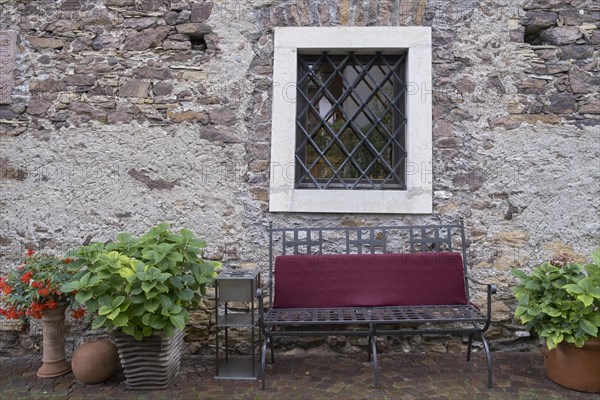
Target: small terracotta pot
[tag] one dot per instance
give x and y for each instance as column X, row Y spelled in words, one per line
column 574, row 368
column 94, row 362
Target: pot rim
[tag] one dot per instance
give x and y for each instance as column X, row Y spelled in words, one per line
column 590, row 344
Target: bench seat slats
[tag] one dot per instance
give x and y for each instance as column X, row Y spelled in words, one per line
column 368, row 315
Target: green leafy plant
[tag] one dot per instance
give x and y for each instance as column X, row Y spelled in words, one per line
column 560, row 300
column 142, row 285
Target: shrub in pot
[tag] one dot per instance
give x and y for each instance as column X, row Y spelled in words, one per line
column 143, row 288
column 33, row 290
column 560, row 300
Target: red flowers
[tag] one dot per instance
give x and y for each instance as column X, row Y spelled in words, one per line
column 26, row 277
column 11, row 313
column 78, row 313
column 36, row 310
column 51, row 304
column 5, row 287
column 34, row 286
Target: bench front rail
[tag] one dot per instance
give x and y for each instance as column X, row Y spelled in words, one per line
column 369, row 321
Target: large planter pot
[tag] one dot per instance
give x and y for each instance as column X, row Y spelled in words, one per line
column 151, row 363
column 53, row 345
column 574, row 368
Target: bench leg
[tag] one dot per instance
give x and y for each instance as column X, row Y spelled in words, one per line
column 373, row 351
column 375, row 368
column 488, row 357
column 469, row 346
column 272, row 352
column 263, row 360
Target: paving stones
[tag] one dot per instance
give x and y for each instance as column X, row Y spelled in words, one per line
column 403, row 376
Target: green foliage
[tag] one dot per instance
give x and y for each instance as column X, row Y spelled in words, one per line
column 142, row 285
column 561, row 302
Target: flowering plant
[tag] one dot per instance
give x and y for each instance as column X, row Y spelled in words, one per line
column 35, row 286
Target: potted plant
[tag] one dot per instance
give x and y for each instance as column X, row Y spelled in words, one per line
column 34, row 290
column 560, row 300
column 143, row 288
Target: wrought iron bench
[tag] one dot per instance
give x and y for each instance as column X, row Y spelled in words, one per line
column 370, row 282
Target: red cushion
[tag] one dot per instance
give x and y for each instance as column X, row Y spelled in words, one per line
column 369, row 280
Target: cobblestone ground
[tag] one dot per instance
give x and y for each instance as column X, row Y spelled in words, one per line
column 517, row 376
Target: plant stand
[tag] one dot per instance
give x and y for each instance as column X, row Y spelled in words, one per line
column 151, row 363
column 238, row 286
column 53, row 347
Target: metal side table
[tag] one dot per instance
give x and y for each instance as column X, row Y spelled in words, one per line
column 238, row 286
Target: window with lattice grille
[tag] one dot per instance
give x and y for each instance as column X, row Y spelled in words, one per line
column 351, row 120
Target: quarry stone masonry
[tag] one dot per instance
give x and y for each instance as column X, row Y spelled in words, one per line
column 118, row 114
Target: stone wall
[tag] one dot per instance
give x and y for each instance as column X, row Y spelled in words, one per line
column 124, row 113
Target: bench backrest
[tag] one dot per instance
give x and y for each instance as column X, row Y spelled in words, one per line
column 317, row 242
column 369, row 280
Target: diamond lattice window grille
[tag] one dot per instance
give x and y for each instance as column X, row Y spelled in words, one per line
column 351, row 121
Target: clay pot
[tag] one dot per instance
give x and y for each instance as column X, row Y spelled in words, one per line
column 53, row 346
column 94, row 362
column 574, row 368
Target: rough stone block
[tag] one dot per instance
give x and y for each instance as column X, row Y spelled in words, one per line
column 119, row 116
column 140, row 23
column 45, row 43
column 176, row 45
column 38, row 106
column 152, row 73
column 560, row 36
column 223, row 117
column 162, row 89
column 195, row 30
column 119, row 3
column 576, row 52
column 79, row 80
column 536, row 20
column 583, row 82
column 135, row 88
column 561, row 103
column 151, row 5
column 171, row 17
column 201, row 117
column 62, row 26
column 145, row 39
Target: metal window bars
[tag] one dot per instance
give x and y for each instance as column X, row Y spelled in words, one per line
column 351, row 121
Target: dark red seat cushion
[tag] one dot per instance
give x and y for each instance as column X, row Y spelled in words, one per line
column 369, row 280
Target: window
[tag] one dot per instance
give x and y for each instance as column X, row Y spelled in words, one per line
column 351, row 120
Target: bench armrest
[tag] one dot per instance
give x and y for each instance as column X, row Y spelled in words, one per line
column 491, row 289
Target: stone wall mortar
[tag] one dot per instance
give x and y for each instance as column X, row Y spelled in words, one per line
column 130, row 112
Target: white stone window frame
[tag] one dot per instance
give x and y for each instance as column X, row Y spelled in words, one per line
column 417, row 198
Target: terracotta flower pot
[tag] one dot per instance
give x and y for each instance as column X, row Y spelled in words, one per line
column 574, row 368
column 53, row 347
